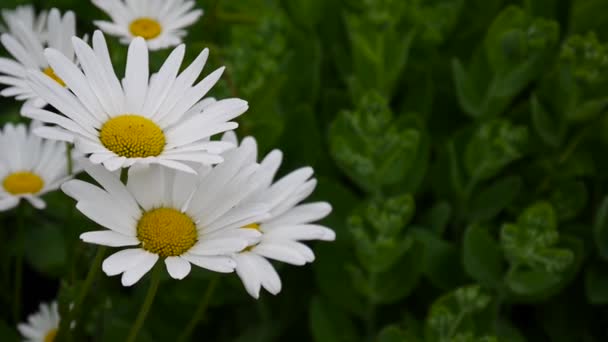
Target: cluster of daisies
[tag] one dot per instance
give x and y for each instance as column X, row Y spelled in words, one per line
column 165, row 189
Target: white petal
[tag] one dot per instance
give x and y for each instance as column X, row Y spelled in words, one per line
column 222, row 264
column 122, row 261
column 132, row 275
column 246, row 270
column 109, row 238
column 177, row 267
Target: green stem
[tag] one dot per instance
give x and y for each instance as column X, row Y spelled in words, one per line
column 19, row 262
column 68, row 154
column 200, row 311
column 145, row 308
column 82, row 295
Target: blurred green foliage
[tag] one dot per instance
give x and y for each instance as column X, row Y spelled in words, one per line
column 462, row 144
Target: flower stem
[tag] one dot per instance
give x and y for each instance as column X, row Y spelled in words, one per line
column 82, row 295
column 200, row 311
column 145, row 308
column 19, row 262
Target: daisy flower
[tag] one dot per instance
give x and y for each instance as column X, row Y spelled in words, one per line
column 26, row 15
column 26, row 45
column 143, row 120
column 288, row 223
column 160, row 22
column 41, row 326
column 29, row 166
column 165, row 213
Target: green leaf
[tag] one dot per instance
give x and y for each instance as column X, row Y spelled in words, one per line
column 468, row 95
column 549, row 128
column 482, row 257
column 441, row 260
column 329, row 324
column 438, row 217
column 490, row 201
column 389, row 288
column 596, row 284
column 569, row 199
column 600, row 229
column 370, row 148
column 453, row 314
column 494, row 145
column 532, row 242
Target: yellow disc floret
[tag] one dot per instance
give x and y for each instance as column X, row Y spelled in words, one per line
column 51, row 73
column 146, row 28
column 254, row 226
column 23, row 182
column 166, row 232
column 132, row 136
column 50, row 336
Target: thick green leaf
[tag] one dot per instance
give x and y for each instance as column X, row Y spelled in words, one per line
column 490, row 201
column 482, row 257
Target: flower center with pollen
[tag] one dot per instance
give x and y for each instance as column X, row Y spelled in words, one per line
column 166, row 232
column 51, row 73
column 132, row 136
column 50, row 336
column 254, row 226
column 23, row 182
column 146, row 28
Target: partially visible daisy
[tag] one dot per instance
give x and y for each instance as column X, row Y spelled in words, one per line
column 26, row 45
column 29, row 166
column 41, row 326
column 167, row 214
column 141, row 120
column 27, row 15
column 160, row 22
column 288, row 223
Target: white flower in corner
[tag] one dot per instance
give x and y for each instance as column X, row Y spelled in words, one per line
column 29, row 166
column 145, row 119
column 25, row 14
column 25, row 42
column 161, row 23
column 41, row 326
column 289, row 223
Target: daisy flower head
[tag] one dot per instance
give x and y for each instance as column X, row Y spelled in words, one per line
column 288, row 223
column 157, row 119
column 163, row 213
column 25, row 14
column 29, row 166
column 160, row 22
column 41, row 326
column 25, row 42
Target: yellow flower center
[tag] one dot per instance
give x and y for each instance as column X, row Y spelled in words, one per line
column 255, row 226
column 166, row 232
column 51, row 73
column 146, row 28
column 50, row 336
column 23, row 182
column 132, row 136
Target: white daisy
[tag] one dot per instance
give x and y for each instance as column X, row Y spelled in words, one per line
column 160, row 22
column 27, row 15
column 165, row 213
column 41, row 326
column 29, row 166
column 288, row 223
column 159, row 119
column 26, row 46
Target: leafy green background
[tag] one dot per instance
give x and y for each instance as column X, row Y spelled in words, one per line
column 462, row 144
